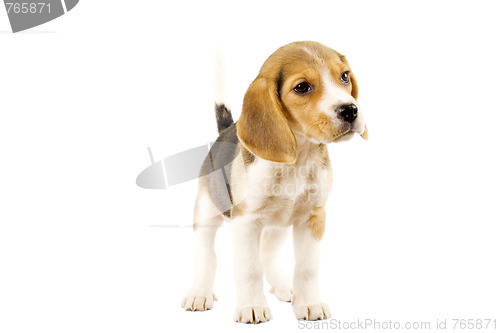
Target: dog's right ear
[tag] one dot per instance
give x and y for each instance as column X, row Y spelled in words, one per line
column 354, row 93
column 262, row 127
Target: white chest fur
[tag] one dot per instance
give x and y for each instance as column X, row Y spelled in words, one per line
column 280, row 193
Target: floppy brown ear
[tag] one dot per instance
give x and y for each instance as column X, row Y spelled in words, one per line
column 354, row 93
column 262, row 127
column 364, row 135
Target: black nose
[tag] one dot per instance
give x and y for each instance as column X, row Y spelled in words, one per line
column 348, row 112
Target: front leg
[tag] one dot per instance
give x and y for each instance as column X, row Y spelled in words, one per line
column 251, row 304
column 307, row 235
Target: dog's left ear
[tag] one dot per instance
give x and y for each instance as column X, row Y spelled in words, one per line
column 354, row 93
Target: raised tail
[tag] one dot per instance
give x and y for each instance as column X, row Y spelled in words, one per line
column 222, row 110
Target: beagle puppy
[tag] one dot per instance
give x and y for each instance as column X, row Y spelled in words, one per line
column 269, row 173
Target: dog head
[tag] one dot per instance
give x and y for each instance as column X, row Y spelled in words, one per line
column 303, row 87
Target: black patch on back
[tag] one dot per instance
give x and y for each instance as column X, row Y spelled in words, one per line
column 217, row 168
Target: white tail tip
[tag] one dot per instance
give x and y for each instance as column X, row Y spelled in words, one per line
column 220, row 84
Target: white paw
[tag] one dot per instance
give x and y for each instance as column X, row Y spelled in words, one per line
column 198, row 302
column 318, row 311
column 252, row 314
column 283, row 294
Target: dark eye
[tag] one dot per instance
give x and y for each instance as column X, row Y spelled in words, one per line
column 302, row 88
column 345, row 78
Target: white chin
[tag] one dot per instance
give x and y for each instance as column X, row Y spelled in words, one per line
column 344, row 137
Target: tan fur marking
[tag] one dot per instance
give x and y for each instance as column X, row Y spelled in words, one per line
column 316, row 222
column 248, row 157
column 239, row 209
column 270, row 203
column 354, row 86
column 365, row 134
column 195, row 226
column 324, row 157
column 302, row 206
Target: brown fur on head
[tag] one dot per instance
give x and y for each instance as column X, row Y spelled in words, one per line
column 273, row 109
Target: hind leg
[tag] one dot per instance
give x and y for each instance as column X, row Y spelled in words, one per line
column 271, row 242
column 207, row 221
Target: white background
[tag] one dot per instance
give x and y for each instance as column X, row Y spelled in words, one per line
column 412, row 222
